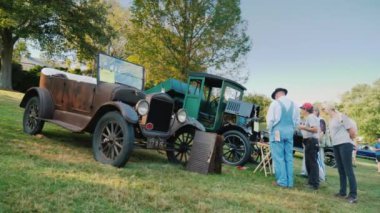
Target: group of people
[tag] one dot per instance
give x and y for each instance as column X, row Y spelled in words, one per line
column 283, row 119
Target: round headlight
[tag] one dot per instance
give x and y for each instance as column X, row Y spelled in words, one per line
column 142, row 107
column 181, row 115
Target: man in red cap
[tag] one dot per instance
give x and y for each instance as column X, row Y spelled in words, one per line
column 282, row 119
column 310, row 133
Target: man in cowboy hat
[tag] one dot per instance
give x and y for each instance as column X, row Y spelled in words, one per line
column 282, row 119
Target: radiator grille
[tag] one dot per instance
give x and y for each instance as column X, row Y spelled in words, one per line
column 160, row 114
column 240, row 108
column 232, row 107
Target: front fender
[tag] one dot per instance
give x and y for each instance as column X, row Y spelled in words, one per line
column 46, row 101
column 190, row 122
column 128, row 113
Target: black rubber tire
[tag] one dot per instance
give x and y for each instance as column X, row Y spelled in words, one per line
column 330, row 159
column 32, row 125
column 181, row 142
column 255, row 154
column 236, row 146
column 114, row 133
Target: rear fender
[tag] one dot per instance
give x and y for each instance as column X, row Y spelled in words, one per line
column 233, row 127
column 128, row 113
column 46, row 101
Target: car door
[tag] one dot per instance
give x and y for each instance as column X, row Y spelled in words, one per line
column 82, row 95
column 57, row 88
column 194, row 96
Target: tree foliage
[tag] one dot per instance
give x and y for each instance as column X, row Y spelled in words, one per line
column 118, row 18
column 174, row 37
column 55, row 25
column 261, row 100
column 362, row 103
column 20, row 50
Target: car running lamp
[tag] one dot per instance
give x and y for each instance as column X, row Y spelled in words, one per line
column 142, row 107
column 181, row 115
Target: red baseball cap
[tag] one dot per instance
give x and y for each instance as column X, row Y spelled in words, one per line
column 307, row 106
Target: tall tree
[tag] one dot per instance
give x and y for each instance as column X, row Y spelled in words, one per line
column 55, row 25
column 362, row 103
column 118, row 18
column 175, row 37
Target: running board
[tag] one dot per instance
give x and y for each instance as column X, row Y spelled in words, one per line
column 72, row 121
column 65, row 125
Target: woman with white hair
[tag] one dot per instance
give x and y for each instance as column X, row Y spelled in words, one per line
column 343, row 131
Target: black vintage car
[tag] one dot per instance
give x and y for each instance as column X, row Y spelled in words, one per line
column 113, row 107
column 298, row 147
column 328, row 150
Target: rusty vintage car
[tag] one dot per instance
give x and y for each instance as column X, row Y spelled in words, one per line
column 113, row 108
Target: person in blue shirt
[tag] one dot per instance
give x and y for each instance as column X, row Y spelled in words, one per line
column 377, row 149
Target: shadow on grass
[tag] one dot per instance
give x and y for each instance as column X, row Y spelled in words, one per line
column 69, row 138
column 75, row 140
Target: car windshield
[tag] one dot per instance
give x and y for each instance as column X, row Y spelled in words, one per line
column 231, row 93
column 113, row 70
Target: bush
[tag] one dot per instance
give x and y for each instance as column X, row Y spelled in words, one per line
column 23, row 80
column 75, row 71
column 62, row 68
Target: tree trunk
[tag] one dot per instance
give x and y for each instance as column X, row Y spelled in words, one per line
column 6, row 60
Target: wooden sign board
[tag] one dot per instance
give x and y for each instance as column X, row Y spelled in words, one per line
column 206, row 153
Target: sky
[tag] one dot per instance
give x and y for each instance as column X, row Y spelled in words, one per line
column 316, row 49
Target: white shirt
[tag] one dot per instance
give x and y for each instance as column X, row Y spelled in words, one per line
column 339, row 126
column 274, row 112
column 311, row 121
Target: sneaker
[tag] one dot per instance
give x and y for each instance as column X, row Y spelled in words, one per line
column 352, row 199
column 339, row 195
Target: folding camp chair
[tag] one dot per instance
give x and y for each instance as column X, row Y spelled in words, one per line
column 265, row 155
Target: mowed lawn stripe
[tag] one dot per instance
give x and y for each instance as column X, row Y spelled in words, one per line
column 56, row 171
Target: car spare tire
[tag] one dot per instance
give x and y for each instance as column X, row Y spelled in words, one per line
column 330, row 158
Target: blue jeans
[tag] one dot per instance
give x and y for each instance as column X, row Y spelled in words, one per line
column 282, row 155
column 343, row 157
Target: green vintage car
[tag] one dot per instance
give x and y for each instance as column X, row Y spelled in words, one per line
column 216, row 102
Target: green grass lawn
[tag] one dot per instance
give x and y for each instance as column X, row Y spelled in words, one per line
column 57, row 172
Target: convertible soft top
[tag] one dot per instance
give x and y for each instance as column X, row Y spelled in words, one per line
column 70, row 76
